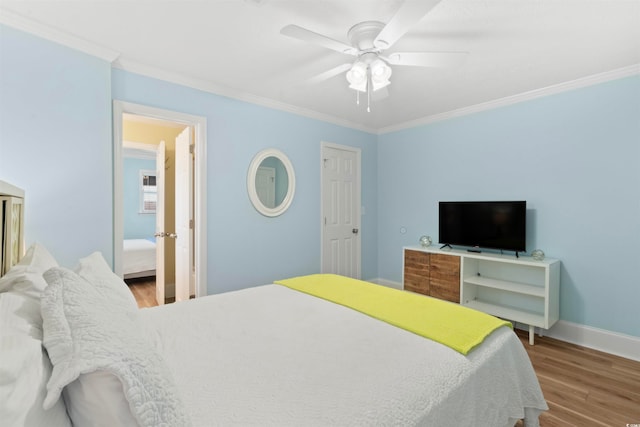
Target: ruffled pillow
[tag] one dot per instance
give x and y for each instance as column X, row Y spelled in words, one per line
column 95, row 270
column 88, row 331
column 26, row 276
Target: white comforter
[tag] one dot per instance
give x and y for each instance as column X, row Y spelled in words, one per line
column 138, row 255
column 271, row 356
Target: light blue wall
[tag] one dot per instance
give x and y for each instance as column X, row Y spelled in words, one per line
column 244, row 247
column 136, row 225
column 55, row 142
column 575, row 158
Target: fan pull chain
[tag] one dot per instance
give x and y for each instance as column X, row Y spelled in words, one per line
column 357, row 97
column 368, row 95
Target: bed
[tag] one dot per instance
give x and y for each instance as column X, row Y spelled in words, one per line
column 76, row 350
column 269, row 355
column 138, row 258
column 285, row 358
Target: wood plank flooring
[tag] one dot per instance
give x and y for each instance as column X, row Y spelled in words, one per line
column 144, row 290
column 583, row 387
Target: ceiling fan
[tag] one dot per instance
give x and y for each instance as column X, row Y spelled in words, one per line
column 368, row 40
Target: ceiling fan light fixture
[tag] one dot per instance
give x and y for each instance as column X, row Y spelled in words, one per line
column 379, row 84
column 357, row 76
column 361, row 87
column 380, row 73
column 358, row 73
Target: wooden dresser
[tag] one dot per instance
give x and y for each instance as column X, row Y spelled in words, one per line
column 436, row 275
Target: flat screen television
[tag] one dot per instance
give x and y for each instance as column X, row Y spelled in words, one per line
column 491, row 225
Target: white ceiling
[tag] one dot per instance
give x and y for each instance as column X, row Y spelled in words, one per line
column 234, row 48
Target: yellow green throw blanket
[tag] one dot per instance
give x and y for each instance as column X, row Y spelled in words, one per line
column 450, row 324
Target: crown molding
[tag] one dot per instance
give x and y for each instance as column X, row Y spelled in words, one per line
column 19, row 22
column 206, row 86
column 514, row 99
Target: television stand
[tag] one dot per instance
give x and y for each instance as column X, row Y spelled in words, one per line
column 522, row 289
column 446, row 245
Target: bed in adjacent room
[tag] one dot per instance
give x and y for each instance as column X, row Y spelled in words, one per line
column 138, row 258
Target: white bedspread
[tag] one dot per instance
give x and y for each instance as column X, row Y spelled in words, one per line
column 138, row 255
column 271, row 356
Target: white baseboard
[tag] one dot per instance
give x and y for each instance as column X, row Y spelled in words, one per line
column 385, row 282
column 622, row 345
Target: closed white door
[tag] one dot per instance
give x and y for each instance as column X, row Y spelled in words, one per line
column 160, row 188
column 266, row 186
column 183, row 205
column 340, row 210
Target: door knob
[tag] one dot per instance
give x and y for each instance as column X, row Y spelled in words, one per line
column 165, row 234
column 354, row 231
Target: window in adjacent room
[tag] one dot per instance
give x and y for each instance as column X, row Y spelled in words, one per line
column 148, row 191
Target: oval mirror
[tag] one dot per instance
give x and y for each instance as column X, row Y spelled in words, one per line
column 271, row 182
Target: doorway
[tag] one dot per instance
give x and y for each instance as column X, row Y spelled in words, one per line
column 340, row 210
column 194, row 127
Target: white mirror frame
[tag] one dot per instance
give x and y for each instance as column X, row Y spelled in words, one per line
column 251, row 182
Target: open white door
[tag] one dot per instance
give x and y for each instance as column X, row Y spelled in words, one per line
column 198, row 126
column 160, row 184
column 183, row 203
column 341, row 210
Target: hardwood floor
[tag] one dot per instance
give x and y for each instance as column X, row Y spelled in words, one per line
column 583, row 387
column 144, row 290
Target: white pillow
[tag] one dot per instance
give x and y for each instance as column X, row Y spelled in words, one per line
column 20, row 314
column 24, row 368
column 88, row 330
column 97, row 399
column 96, row 271
column 26, row 276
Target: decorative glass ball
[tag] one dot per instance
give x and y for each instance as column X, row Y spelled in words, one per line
column 425, row 241
column 537, row 254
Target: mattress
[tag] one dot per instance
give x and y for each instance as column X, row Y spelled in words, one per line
column 139, row 256
column 272, row 356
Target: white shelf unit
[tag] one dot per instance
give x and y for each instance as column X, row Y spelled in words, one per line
column 521, row 289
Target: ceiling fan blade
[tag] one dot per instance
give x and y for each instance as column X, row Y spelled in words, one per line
column 309, row 36
column 427, row 59
column 329, row 74
column 406, row 17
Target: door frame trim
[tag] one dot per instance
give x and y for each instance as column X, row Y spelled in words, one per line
column 358, row 153
column 199, row 125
